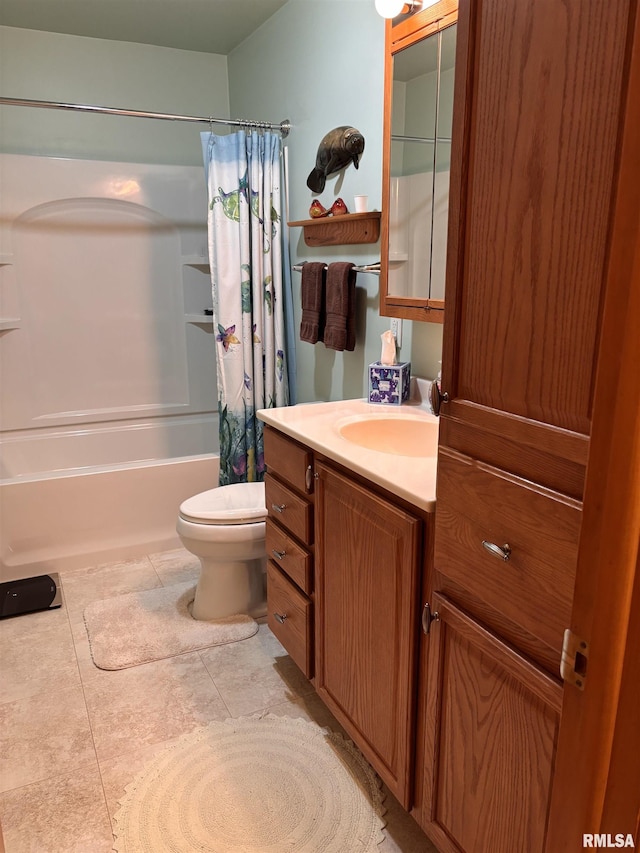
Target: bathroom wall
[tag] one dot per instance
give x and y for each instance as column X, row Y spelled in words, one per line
column 75, row 69
column 321, row 64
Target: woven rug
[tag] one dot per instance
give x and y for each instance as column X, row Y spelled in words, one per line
column 254, row 785
column 141, row 627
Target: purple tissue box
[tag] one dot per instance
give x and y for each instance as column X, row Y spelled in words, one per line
column 389, row 383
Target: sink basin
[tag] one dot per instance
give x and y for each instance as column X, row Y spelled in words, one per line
column 397, row 435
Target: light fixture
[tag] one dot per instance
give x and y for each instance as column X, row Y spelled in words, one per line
column 389, row 8
column 392, row 8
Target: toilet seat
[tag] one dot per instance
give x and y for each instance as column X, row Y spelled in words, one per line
column 239, row 503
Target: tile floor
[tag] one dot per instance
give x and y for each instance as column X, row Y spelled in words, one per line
column 72, row 736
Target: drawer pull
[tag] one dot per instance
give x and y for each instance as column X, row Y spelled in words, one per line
column 503, row 552
column 308, row 478
column 278, row 507
column 279, row 617
column 278, row 554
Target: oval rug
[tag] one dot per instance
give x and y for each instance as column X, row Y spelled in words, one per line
column 254, row 785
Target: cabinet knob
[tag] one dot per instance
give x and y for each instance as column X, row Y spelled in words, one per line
column 503, row 552
column 279, row 617
column 278, row 507
column 428, row 617
column 278, row 554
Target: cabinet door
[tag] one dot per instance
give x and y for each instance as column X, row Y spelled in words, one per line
column 535, row 134
column 491, row 729
column 367, row 611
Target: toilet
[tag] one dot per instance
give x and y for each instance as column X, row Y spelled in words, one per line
column 225, row 529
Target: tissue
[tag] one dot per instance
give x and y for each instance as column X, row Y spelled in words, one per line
column 388, row 355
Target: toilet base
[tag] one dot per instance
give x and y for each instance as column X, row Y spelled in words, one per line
column 230, row 588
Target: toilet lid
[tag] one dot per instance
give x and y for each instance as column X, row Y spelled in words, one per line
column 239, row 503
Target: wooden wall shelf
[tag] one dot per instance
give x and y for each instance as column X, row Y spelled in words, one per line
column 341, row 230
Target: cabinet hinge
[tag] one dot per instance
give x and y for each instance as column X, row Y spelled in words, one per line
column 573, row 661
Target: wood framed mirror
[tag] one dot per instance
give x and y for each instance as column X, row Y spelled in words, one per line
column 419, row 78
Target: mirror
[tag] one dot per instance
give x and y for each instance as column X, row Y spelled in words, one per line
column 418, row 120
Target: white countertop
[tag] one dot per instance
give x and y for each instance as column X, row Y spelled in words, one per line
column 317, row 425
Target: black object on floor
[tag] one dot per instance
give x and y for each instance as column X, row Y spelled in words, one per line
column 29, row 594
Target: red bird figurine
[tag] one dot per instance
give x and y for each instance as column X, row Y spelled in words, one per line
column 338, row 208
column 317, row 210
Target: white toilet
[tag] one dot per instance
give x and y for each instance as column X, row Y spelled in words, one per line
column 225, row 529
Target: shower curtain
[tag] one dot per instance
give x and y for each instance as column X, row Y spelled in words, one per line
column 245, row 256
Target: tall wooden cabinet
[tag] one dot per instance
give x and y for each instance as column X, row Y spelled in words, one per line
column 498, row 718
column 540, row 88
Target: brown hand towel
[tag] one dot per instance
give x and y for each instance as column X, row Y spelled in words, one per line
column 312, row 295
column 340, row 329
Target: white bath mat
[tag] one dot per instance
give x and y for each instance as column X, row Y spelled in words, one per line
column 254, row 785
column 141, row 627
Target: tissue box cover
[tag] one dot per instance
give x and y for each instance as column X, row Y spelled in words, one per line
column 389, row 383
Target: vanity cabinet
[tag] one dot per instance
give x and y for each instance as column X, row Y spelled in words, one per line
column 289, row 544
column 536, row 128
column 344, row 598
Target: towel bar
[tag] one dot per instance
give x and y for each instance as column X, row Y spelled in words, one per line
column 372, row 268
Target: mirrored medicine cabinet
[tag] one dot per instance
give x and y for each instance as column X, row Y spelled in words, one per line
column 419, row 76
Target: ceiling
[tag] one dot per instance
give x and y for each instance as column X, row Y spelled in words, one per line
column 210, row 26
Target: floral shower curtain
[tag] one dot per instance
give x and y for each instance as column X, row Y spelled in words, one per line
column 245, row 256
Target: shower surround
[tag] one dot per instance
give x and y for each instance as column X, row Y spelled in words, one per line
column 107, row 401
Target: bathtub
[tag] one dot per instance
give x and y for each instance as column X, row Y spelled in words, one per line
column 78, row 497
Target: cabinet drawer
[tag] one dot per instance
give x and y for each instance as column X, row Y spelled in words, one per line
column 294, row 608
column 293, row 560
column 291, row 511
column 288, row 460
column 534, row 587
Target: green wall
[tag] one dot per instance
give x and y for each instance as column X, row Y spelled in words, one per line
column 74, row 69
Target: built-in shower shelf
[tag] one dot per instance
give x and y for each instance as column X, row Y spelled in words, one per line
column 196, row 261
column 199, row 319
column 5, row 258
column 7, row 323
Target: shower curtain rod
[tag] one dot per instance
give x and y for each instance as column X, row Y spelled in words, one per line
column 283, row 127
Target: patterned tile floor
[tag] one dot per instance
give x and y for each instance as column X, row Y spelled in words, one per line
column 72, row 736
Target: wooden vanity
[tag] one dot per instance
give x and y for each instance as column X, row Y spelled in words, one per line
column 348, row 567
column 352, row 593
